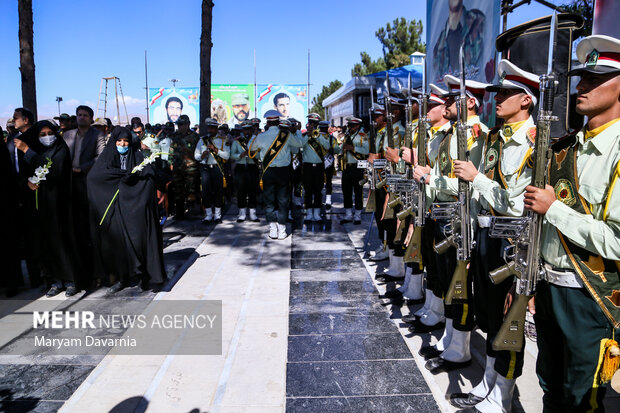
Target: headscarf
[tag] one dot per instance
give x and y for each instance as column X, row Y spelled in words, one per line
column 110, row 158
column 31, row 137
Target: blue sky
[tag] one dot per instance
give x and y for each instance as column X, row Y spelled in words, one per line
column 78, row 42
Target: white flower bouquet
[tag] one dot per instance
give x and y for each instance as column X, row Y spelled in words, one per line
column 40, row 175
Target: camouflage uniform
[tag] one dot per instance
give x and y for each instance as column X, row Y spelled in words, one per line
column 185, row 173
column 446, row 50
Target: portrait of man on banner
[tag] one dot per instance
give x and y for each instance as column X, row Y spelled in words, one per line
column 452, row 23
column 285, row 101
column 240, row 109
column 174, row 108
column 471, row 23
column 166, row 105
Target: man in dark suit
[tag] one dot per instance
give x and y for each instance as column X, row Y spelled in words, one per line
column 82, row 144
column 23, row 120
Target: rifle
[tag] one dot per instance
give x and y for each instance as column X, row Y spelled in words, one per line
column 406, row 197
column 458, row 232
column 411, row 253
column 369, row 173
column 389, row 213
column 522, row 258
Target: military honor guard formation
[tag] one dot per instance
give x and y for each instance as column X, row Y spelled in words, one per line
column 480, row 223
column 504, row 220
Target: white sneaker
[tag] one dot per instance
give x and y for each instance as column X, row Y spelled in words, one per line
column 218, row 214
column 308, row 215
column 328, row 202
column 241, row 216
column 253, row 216
column 282, row 231
column 317, row 215
column 208, row 215
column 273, row 230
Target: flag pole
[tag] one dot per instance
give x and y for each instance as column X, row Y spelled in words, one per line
column 308, row 87
column 146, row 80
column 255, row 89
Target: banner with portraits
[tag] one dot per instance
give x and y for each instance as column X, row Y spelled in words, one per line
column 285, row 101
column 230, row 104
column 166, row 105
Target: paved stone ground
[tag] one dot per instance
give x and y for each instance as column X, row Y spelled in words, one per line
column 344, row 353
column 303, row 331
column 42, row 383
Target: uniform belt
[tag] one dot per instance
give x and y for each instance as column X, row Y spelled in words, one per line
column 484, row 221
column 563, row 278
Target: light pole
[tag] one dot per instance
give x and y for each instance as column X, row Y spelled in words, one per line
column 58, row 99
column 174, row 82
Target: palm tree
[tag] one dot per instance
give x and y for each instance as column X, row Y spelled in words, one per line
column 205, row 62
column 26, row 56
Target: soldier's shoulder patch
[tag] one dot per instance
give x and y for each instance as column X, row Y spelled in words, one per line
column 476, row 130
column 564, row 192
column 531, row 133
column 396, row 128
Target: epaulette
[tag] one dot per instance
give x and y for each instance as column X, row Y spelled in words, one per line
column 564, row 142
column 531, row 134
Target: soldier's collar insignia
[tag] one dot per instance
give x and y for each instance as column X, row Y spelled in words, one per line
column 507, row 131
column 592, row 58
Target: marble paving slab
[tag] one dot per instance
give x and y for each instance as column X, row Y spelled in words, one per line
column 339, row 323
column 412, row 403
column 325, row 347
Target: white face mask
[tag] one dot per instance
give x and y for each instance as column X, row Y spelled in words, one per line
column 47, row 140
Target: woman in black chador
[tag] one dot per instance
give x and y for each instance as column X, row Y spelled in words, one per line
column 48, row 202
column 127, row 242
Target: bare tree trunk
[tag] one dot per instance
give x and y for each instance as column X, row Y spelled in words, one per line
column 205, row 63
column 26, row 56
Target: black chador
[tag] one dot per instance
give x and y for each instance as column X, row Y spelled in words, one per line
column 51, row 237
column 127, row 242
